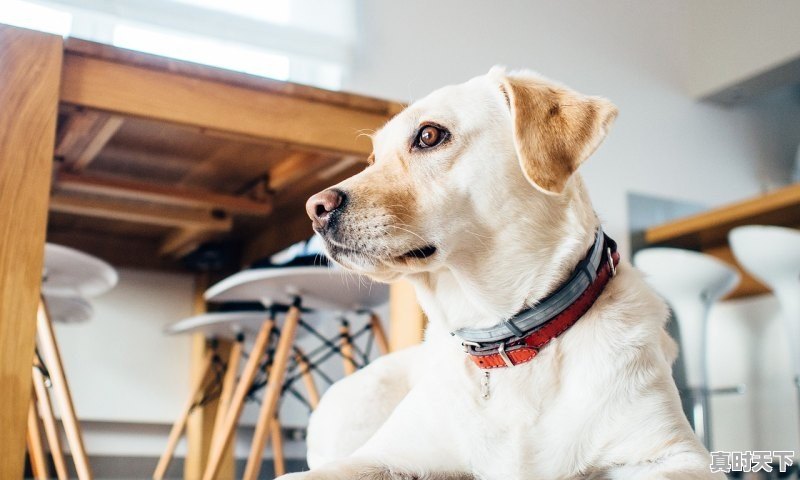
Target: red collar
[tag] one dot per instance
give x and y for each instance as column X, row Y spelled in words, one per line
column 524, row 346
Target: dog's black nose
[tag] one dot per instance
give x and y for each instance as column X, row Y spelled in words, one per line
column 321, row 206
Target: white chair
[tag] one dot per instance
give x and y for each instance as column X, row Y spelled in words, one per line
column 319, row 288
column 234, row 327
column 772, row 255
column 690, row 282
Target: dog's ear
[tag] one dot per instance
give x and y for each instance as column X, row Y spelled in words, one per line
column 555, row 128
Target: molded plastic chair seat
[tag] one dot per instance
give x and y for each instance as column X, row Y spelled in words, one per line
column 226, row 325
column 320, row 288
column 72, row 273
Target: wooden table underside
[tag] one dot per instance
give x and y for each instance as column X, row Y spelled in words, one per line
column 151, row 157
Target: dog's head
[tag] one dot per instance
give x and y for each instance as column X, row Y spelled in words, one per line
column 456, row 170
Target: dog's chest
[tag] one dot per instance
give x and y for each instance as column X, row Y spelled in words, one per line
column 511, row 434
column 514, row 442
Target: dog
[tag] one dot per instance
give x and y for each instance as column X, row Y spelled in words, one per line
column 472, row 195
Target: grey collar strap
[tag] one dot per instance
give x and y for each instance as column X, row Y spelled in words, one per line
column 529, row 319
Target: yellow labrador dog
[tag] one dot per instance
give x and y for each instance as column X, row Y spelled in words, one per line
column 545, row 357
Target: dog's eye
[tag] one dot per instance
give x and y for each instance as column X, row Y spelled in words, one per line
column 430, row 136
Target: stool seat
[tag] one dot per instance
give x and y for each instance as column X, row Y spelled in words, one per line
column 690, row 282
column 225, row 325
column 772, row 254
column 68, row 309
column 675, row 274
column 72, row 273
column 320, row 288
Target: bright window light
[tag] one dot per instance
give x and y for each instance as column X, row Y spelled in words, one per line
column 207, row 51
column 275, row 11
column 35, row 17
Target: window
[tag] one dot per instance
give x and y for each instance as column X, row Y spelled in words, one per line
column 305, row 41
column 35, row 17
column 203, row 50
column 274, row 11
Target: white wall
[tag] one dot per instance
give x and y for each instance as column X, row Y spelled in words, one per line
column 734, row 40
column 635, row 53
column 120, row 364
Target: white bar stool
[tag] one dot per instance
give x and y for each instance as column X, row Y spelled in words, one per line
column 69, row 275
column 772, row 255
column 690, row 282
column 318, row 288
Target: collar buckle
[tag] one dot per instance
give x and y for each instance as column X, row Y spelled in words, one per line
column 502, row 351
column 610, row 258
column 469, row 346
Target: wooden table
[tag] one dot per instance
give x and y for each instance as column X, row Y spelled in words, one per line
column 139, row 159
column 708, row 231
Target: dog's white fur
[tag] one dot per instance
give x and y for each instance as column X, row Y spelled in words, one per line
column 598, row 402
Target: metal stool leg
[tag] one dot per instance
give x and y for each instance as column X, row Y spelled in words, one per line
column 180, row 424
column 52, row 359
column 272, row 392
column 50, row 424
column 221, row 439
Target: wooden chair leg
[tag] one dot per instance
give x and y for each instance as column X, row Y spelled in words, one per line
column 272, row 393
column 347, row 348
column 308, row 378
column 35, row 445
column 277, row 447
column 50, row 425
column 380, row 335
column 228, row 385
column 220, row 441
column 52, row 359
column 226, row 469
column 180, row 424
